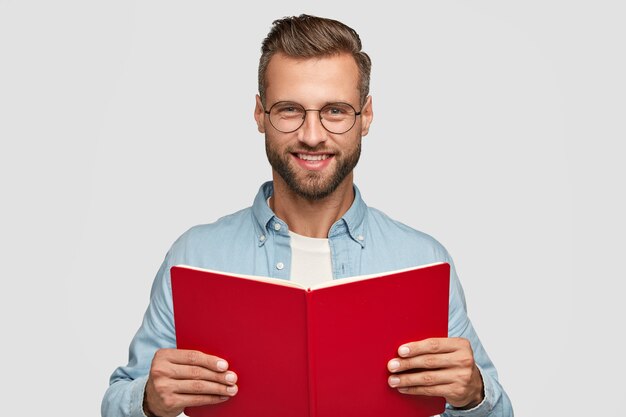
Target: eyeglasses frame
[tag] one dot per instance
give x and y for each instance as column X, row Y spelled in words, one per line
column 319, row 111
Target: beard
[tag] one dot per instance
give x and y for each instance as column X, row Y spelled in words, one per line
column 312, row 185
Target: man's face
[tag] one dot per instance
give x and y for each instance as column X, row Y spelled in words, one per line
column 312, row 161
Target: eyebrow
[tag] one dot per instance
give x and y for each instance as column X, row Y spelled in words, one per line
column 326, row 103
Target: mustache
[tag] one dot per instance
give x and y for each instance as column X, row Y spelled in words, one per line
column 306, row 148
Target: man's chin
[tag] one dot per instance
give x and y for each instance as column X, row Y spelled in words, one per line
column 313, row 187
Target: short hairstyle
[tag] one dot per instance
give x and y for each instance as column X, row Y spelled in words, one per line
column 308, row 36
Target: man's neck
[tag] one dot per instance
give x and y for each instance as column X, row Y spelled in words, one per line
column 311, row 218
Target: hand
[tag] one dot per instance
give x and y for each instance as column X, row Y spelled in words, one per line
column 443, row 367
column 186, row 378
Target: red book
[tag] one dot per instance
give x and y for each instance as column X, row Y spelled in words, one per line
column 315, row 352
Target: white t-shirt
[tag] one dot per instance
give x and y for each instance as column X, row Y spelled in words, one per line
column 310, row 260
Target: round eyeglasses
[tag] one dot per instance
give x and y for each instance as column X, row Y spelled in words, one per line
column 337, row 118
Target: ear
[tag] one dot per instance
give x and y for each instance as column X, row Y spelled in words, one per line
column 259, row 115
column 367, row 115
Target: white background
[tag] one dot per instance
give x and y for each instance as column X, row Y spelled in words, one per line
column 498, row 129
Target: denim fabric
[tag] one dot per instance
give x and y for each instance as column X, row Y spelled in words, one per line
column 254, row 241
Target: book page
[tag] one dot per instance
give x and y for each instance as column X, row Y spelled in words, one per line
column 268, row 280
column 343, row 281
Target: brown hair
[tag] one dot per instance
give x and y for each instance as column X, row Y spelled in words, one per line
column 307, row 36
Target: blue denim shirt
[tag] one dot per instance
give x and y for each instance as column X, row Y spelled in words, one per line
column 254, row 241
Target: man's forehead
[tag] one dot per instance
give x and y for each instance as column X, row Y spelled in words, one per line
column 316, row 76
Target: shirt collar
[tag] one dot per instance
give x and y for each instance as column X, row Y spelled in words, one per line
column 262, row 212
column 352, row 222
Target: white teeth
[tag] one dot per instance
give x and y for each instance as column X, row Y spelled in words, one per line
column 312, row 157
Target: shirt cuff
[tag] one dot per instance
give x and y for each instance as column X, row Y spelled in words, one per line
column 136, row 397
column 481, row 410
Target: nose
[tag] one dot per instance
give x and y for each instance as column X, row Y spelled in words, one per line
column 312, row 133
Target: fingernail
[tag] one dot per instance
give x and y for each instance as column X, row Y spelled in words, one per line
column 403, row 350
column 222, row 365
column 394, row 380
column 224, row 398
column 394, row 364
column 232, row 389
column 230, row 377
column 403, row 390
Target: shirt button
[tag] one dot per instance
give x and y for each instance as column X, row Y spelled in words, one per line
column 262, row 238
column 280, row 266
column 360, row 238
column 277, row 226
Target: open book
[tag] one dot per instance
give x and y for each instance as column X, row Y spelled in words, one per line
column 316, row 352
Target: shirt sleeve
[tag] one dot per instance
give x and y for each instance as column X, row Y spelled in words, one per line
column 124, row 397
column 496, row 402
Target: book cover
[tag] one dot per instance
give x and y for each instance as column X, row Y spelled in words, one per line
column 317, row 352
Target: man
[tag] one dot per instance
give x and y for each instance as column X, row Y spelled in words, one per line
column 311, row 223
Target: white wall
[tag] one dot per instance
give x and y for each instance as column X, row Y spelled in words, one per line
column 498, row 129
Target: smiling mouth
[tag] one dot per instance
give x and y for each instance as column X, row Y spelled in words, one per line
column 309, row 157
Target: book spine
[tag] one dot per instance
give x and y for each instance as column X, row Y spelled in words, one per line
column 310, row 354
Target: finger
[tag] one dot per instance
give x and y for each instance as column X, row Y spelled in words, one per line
column 200, row 387
column 425, row 378
column 199, row 372
column 193, row 357
column 426, row 361
column 433, row 345
column 187, row 400
column 430, row 391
